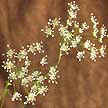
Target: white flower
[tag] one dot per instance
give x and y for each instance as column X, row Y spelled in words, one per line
column 75, row 41
column 55, row 22
column 27, row 62
column 10, row 53
column 44, row 61
column 22, row 54
column 30, row 78
column 23, row 72
column 34, row 88
column 31, row 98
column 25, row 82
column 93, row 53
column 35, row 74
column 78, row 39
column 85, row 26
column 48, row 31
column 95, row 23
column 80, row 55
column 73, row 9
column 94, row 19
column 102, row 51
column 53, row 74
column 12, row 76
column 73, row 5
column 95, row 32
column 87, row 44
column 8, row 65
column 103, row 32
column 24, row 69
column 41, row 79
column 39, row 47
column 32, row 48
column 42, row 90
column 17, row 96
column 65, row 48
column 64, row 33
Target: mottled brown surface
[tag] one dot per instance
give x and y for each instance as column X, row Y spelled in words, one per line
column 82, row 85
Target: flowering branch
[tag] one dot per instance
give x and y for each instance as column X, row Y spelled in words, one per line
column 29, row 82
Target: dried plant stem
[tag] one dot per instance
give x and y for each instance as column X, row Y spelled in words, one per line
column 60, row 55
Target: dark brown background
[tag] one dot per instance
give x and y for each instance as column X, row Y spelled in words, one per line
column 82, row 85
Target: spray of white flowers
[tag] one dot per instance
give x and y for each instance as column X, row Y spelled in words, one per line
column 28, row 82
column 74, row 32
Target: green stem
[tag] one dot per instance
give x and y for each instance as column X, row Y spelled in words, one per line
column 4, row 94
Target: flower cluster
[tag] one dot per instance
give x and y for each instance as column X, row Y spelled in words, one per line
column 73, row 33
column 53, row 74
column 73, row 9
column 28, row 81
column 21, row 74
column 17, row 96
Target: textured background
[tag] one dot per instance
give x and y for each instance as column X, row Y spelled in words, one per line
column 82, row 85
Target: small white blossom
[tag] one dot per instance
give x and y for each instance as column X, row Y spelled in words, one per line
column 55, row 22
column 31, row 98
column 80, row 55
column 17, row 96
column 12, row 76
column 103, row 32
column 48, row 31
column 95, row 23
column 65, row 48
column 41, row 79
column 64, row 32
column 8, row 65
column 22, row 54
column 85, row 26
column 73, row 9
column 39, row 47
column 44, row 61
column 75, row 41
column 10, row 53
column 102, row 51
column 94, row 19
column 73, row 44
column 53, row 74
column 34, row 88
column 93, row 53
column 95, row 32
column 27, row 62
column 32, row 48
column 42, row 90
column 23, row 72
column 25, row 82
column 35, row 74
column 30, row 78
column 78, row 39
column 24, row 69
column 87, row 44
